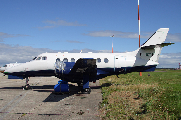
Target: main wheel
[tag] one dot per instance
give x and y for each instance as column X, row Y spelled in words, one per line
column 80, row 84
column 89, row 90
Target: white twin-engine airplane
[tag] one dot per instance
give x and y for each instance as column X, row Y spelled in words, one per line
column 82, row 68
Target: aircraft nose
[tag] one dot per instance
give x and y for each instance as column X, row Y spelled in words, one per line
column 1, row 70
column 6, row 72
column 13, row 70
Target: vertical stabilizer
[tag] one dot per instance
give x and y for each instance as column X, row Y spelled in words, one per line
column 157, row 38
column 151, row 49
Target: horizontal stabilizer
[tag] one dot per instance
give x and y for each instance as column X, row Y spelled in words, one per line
column 153, row 46
column 166, row 44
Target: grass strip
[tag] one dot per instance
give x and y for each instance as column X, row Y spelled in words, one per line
column 154, row 95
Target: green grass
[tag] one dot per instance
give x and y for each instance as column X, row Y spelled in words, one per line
column 131, row 96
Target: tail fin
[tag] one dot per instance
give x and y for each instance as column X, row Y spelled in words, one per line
column 151, row 49
column 157, row 38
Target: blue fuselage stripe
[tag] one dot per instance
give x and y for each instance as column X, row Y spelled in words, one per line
column 100, row 71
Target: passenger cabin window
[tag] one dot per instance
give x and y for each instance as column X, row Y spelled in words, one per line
column 39, row 58
column 65, row 60
column 98, row 60
column 72, row 60
column 106, row 60
column 58, row 60
column 44, row 58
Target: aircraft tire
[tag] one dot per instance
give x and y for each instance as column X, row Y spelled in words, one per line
column 86, row 90
column 27, row 87
column 89, row 90
column 80, row 84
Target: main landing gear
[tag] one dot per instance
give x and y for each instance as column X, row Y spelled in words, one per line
column 85, row 87
column 27, row 86
column 86, row 90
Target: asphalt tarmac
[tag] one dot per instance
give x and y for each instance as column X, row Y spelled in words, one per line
column 42, row 103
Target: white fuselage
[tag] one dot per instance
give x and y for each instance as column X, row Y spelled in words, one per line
column 46, row 61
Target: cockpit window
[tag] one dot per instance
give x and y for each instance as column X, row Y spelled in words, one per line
column 44, row 58
column 34, row 58
column 39, row 58
column 5, row 66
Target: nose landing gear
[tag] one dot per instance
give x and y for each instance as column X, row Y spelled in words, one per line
column 27, row 86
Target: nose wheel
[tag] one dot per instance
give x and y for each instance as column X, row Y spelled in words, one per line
column 27, row 86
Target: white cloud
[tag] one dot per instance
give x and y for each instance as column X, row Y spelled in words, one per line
column 46, row 27
column 63, row 23
column 73, row 41
column 52, row 24
column 86, row 50
column 11, row 54
column 169, row 60
column 174, row 37
column 109, row 33
column 165, row 56
column 6, row 35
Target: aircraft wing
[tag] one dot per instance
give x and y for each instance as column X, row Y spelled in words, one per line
column 83, row 67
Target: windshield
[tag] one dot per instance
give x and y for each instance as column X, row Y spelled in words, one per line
column 39, row 58
column 5, row 66
column 34, row 58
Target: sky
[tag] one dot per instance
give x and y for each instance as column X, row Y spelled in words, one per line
column 31, row 27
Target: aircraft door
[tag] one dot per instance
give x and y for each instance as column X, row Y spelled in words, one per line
column 119, row 61
column 116, row 62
